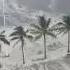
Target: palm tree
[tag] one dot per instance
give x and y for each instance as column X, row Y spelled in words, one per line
column 64, row 27
column 42, row 29
column 19, row 34
column 3, row 39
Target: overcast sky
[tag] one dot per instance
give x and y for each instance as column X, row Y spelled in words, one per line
column 62, row 6
column 46, row 5
column 55, row 5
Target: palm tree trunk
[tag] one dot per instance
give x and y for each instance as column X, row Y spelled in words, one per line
column 68, row 43
column 44, row 47
column 22, row 44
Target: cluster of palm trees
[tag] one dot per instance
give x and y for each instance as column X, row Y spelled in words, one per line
column 42, row 29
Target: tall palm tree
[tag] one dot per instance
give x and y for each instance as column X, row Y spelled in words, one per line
column 19, row 34
column 64, row 27
column 3, row 39
column 42, row 30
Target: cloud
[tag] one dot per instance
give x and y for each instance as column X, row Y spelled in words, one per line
column 35, row 4
column 62, row 6
column 47, row 5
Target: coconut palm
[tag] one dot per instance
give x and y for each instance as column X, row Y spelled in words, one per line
column 20, row 34
column 3, row 39
column 64, row 27
column 42, row 30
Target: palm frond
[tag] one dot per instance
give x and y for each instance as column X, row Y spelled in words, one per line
column 5, row 41
column 62, row 30
column 29, row 36
column 36, row 26
column 44, row 26
column 20, row 31
column 48, row 22
column 19, row 28
column 2, row 36
column 51, row 34
column 14, row 38
column 66, row 19
column 16, row 43
column 57, row 27
column 42, row 22
column 38, row 37
column 60, row 24
column 58, row 30
column 3, row 32
column 15, row 33
column 35, row 32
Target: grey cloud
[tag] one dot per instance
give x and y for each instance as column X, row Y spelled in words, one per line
column 56, row 5
column 46, row 5
column 62, row 6
column 36, row 4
